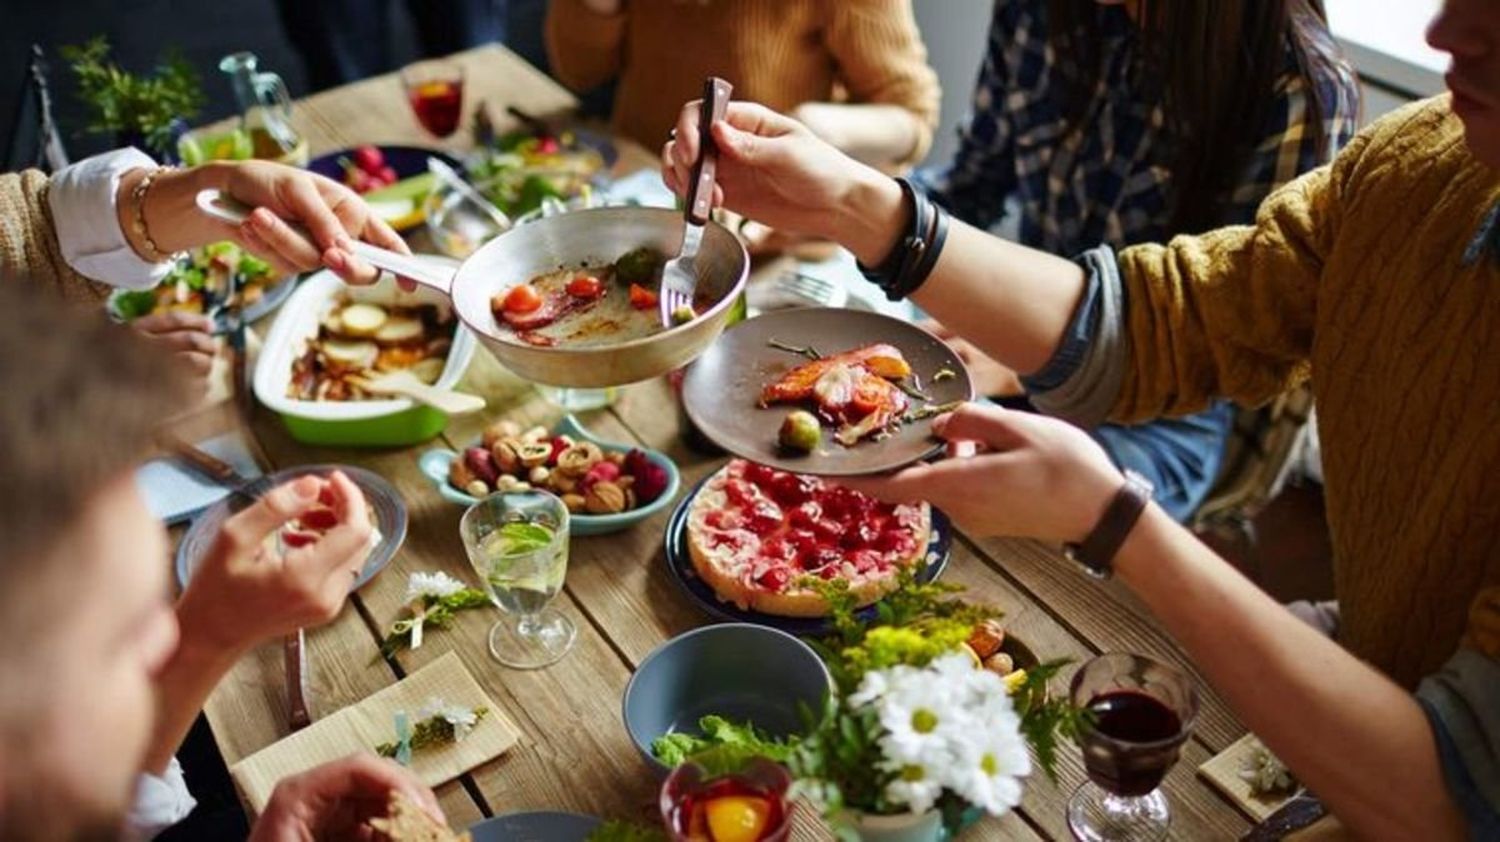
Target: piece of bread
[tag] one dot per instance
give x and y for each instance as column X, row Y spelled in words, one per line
column 406, row 822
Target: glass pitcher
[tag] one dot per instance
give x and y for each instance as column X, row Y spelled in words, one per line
column 265, row 110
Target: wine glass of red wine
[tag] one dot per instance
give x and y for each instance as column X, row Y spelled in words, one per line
column 1141, row 712
column 435, row 90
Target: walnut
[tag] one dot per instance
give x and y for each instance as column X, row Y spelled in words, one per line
column 987, row 638
column 604, row 498
column 500, row 430
column 576, row 460
column 561, row 483
column 507, row 457
column 460, row 474
column 625, row 481
column 574, row 502
column 534, row 454
column 1000, row 664
column 630, row 499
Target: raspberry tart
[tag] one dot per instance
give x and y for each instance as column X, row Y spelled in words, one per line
column 754, row 533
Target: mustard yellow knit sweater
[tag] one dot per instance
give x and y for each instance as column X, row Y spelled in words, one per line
column 780, row 53
column 1355, row 275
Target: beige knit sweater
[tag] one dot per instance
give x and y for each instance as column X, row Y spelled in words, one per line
column 28, row 240
column 780, row 53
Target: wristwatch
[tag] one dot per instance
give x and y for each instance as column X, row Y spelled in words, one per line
column 1096, row 552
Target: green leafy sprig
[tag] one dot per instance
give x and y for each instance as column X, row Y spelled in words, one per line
column 432, row 731
column 437, row 613
column 121, row 101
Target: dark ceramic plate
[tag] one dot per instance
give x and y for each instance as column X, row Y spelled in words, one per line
column 390, row 519
column 721, row 391
column 680, row 564
column 407, row 161
column 535, row 827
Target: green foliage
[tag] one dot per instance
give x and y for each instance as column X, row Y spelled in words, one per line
column 432, row 731
column 439, row 613
column 720, row 743
column 121, row 102
column 836, row 764
column 622, row 831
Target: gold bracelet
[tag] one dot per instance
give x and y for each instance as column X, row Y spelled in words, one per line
column 138, row 216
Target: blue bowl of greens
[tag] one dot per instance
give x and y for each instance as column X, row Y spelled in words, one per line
column 200, row 283
column 730, row 688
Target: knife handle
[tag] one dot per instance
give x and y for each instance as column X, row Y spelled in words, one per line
column 295, row 655
column 700, row 198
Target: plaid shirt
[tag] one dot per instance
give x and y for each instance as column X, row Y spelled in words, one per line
column 1110, row 183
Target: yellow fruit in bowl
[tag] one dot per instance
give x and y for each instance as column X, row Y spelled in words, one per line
column 737, row 818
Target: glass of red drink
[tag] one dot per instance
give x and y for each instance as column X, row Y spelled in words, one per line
column 1142, row 712
column 435, row 90
column 749, row 805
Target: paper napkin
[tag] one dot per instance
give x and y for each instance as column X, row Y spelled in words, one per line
column 362, row 726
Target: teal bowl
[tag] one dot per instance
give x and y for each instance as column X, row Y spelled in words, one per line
column 435, row 463
column 742, row 671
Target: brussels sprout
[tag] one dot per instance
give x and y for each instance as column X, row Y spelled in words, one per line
column 639, row 266
column 800, row 432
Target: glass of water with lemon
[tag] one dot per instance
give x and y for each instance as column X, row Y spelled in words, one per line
column 518, row 544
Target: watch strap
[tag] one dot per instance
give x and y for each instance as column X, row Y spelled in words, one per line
column 1096, row 552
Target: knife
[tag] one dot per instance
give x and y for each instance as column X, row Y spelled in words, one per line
column 1298, row 812
column 294, row 653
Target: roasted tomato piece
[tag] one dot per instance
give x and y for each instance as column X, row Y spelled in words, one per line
column 522, row 298
column 586, row 287
column 642, row 298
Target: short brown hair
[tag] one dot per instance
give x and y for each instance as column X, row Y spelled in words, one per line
column 80, row 400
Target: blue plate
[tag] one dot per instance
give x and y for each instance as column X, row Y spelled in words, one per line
column 680, row 564
column 435, row 463
column 535, row 827
column 390, row 519
column 407, row 161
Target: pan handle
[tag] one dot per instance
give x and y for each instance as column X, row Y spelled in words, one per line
column 700, row 197
column 235, row 212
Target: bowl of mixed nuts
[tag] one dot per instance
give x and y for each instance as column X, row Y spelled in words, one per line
column 607, row 487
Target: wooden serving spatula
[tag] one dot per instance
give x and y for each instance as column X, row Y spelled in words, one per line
column 407, row 385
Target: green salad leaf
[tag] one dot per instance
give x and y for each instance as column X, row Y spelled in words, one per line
column 719, row 743
column 252, row 267
column 135, row 303
column 621, row 831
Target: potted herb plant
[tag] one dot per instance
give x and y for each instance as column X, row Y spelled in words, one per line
column 918, row 738
column 149, row 111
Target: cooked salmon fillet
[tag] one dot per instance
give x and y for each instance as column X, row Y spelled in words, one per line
column 797, row 384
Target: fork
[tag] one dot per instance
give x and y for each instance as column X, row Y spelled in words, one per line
column 679, row 277
column 813, row 289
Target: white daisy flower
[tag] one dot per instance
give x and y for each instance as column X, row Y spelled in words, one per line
column 436, row 584
column 461, row 718
column 914, row 787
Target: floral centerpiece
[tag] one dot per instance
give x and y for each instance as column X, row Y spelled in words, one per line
column 918, row 735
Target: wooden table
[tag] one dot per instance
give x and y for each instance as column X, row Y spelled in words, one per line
column 575, row 754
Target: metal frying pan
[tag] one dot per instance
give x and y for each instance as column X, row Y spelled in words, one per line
column 581, row 238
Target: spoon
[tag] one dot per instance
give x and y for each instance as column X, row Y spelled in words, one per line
column 405, row 384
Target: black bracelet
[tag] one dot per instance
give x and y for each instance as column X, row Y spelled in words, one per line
column 918, row 275
column 912, row 258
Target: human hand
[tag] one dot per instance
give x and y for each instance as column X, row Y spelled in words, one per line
column 774, row 170
column 1033, row 476
column 990, row 377
column 187, row 336
column 248, row 590
column 331, row 213
column 334, row 802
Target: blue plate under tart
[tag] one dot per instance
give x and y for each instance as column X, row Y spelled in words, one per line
column 680, row 565
column 539, row 826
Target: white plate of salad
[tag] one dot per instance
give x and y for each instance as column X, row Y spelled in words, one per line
column 200, row 282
